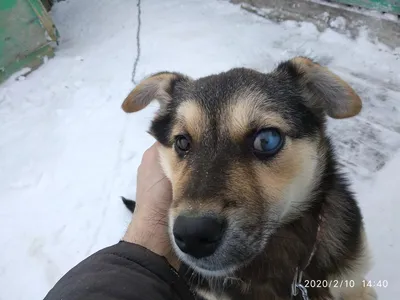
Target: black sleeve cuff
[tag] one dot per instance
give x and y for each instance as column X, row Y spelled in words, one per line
column 124, row 271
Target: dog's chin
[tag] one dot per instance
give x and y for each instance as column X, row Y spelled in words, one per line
column 208, row 270
column 214, row 266
column 215, row 273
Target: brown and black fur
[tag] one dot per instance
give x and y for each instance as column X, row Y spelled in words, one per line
column 272, row 205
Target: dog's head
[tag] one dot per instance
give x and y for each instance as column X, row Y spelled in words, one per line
column 243, row 151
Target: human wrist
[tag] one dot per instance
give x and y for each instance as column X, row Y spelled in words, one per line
column 152, row 237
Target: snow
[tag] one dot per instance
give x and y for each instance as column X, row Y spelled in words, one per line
column 381, row 203
column 67, row 150
column 339, row 23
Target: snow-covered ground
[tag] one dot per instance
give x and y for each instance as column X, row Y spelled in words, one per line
column 67, row 150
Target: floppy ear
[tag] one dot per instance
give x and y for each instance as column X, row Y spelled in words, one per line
column 156, row 87
column 324, row 90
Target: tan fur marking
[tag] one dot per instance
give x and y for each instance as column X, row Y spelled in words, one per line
column 247, row 110
column 287, row 179
column 303, row 62
column 192, row 119
column 360, row 268
column 167, row 161
column 176, row 171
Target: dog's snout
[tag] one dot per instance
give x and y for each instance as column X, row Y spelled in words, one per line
column 198, row 236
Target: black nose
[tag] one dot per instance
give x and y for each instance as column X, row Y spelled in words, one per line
column 198, row 236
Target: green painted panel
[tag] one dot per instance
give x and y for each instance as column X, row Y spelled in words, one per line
column 33, row 60
column 7, row 4
column 25, row 30
column 391, row 6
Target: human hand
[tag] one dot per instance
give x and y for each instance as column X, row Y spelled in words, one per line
column 149, row 225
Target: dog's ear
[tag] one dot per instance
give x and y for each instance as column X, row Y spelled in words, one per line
column 156, row 87
column 323, row 89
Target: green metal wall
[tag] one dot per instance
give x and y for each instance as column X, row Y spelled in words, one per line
column 26, row 32
column 391, row 6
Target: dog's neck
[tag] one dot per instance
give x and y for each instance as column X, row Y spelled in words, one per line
column 293, row 247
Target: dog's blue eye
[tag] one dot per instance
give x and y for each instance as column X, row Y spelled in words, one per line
column 268, row 141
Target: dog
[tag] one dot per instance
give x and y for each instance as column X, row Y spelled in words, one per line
column 260, row 207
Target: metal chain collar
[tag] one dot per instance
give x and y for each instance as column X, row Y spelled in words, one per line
column 297, row 287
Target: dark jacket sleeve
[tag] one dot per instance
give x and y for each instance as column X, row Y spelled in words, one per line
column 123, row 271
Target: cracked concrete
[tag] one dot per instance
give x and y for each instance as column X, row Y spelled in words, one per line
column 326, row 15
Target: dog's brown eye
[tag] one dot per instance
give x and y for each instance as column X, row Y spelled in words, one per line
column 182, row 144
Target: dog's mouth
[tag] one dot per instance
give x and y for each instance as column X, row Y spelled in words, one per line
column 219, row 254
column 213, row 270
column 212, row 266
